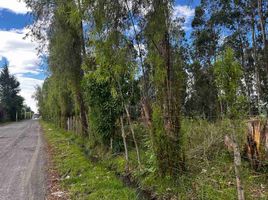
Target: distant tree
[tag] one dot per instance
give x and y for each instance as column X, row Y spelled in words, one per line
column 37, row 96
column 201, row 100
column 11, row 101
column 228, row 74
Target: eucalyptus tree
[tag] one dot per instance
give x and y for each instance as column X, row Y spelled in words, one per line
column 239, row 25
column 59, row 23
column 65, row 52
column 228, row 73
column 202, row 97
column 114, row 67
column 163, row 37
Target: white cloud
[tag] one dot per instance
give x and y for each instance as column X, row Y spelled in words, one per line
column 28, row 88
column 15, row 6
column 185, row 12
column 22, row 57
column 21, row 53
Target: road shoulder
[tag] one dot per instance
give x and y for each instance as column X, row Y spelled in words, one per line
column 73, row 172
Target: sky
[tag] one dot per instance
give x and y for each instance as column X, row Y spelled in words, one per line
column 21, row 53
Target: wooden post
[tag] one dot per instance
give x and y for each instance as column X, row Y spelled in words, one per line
column 232, row 145
column 111, row 144
column 76, row 125
column 68, row 124
column 72, row 123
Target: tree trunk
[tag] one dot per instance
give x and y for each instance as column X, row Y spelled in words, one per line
column 262, row 25
column 133, row 135
column 147, row 112
column 255, row 62
column 253, row 143
column 82, row 108
column 145, row 97
column 257, row 143
column 172, row 113
column 83, row 46
column 129, row 122
column 63, row 120
column 124, row 140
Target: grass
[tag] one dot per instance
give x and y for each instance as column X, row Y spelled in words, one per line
column 81, row 178
column 210, row 169
column 209, row 176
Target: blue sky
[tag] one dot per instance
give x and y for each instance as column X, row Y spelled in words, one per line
column 10, row 20
column 21, row 54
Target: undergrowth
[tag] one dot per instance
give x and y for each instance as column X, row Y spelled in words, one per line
column 210, row 168
column 209, row 171
column 83, row 179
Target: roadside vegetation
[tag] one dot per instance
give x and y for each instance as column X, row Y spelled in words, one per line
column 82, row 178
column 209, row 173
column 181, row 115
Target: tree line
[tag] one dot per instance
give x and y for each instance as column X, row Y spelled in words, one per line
column 121, row 63
column 12, row 107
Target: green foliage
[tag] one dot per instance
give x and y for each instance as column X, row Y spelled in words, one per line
column 85, row 180
column 104, row 107
column 203, row 100
column 11, row 101
column 66, row 46
column 165, row 55
column 160, row 143
column 210, row 169
column 109, row 82
column 128, row 58
column 228, row 75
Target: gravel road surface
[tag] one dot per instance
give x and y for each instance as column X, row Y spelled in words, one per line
column 22, row 162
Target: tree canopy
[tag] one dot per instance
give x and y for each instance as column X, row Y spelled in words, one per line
column 10, row 100
column 114, row 65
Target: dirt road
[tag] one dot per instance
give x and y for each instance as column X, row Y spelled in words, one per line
column 22, row 162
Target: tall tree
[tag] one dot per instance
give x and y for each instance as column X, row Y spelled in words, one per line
column 9, row 93
column 66, row 44
column 228, row 74
column 202, row 95
column 164, row 56
column 65, row 59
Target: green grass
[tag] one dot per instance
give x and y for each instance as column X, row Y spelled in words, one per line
column 210, row 169
column 209, row 176
column 216, row 182
column 81, row 178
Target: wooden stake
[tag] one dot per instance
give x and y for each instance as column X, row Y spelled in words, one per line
column 230, row 143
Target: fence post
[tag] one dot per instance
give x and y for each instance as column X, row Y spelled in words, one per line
column 68, row 124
